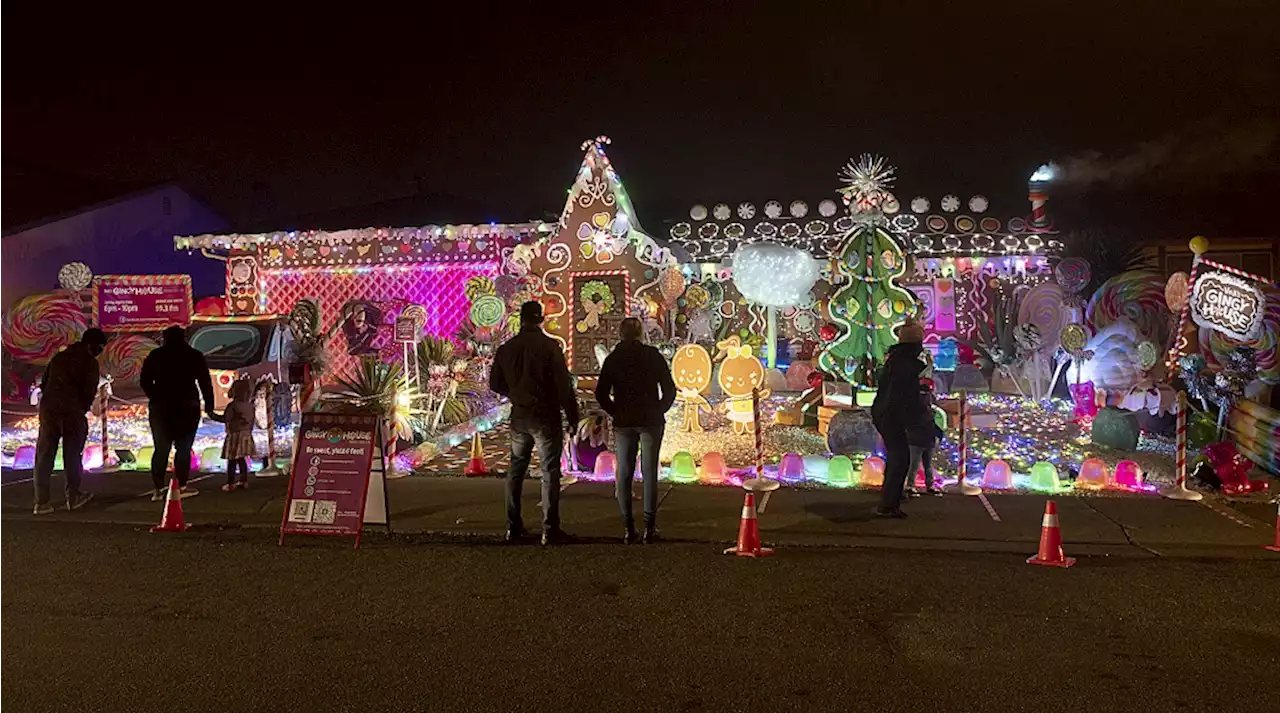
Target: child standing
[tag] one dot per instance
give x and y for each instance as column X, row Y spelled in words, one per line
column 238, row 446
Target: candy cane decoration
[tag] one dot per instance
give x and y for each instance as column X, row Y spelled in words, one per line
column 755, row 412
column 964, row 438
column 1181, row 457
column 1180, row 341
column 1234, row 271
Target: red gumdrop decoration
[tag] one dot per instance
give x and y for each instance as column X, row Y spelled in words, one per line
column 828, row 332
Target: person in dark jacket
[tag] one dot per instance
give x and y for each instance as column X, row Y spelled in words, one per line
column 529, row 369
column 174, row 378
column 636, row 390
column 898, row 406
column 68, row 388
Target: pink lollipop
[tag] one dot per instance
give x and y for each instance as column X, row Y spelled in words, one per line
column 1043, row 307
column 39, row 325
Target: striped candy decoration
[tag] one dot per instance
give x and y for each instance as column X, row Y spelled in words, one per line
column 755, row 413
column 964, row 438
column 1181, row 457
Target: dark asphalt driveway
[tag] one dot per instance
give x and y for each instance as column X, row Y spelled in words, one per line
column 99, row 618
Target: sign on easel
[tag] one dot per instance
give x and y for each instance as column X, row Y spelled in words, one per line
column 331, row 483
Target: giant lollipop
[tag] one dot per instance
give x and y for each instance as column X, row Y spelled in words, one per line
column 39, row 325
column 123, row 357
column 75, row 276
column 1043, row 307
column 1175, row 291
column 672, row 285
column 1137, row 296
column 1073, row 274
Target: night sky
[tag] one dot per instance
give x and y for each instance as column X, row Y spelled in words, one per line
column 705, row 101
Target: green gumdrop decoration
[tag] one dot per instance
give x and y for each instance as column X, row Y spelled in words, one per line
column 840, row 471
column 1044, row 477
column 683, row 468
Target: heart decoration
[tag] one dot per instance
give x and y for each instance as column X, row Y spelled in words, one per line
column 588, row 249
column 242, row 305
column 405, row 248
column 446, row 247
column 362, row 249
column 463, row 245
column 291, row 252
column 480, row 245
column 342, row 249
column 600, row 220
column 273, row 254
column 324, row 251
column 309, row 252
column 585, row 231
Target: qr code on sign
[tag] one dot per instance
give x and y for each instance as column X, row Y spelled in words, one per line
column 325, row 512
column 301, row 510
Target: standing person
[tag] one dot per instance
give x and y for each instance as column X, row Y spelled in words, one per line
column 530, row 370
column 636, row 390
column 896, row 407
column 923, row 436
column 237, row 447
column 68, row 388
column 174, row 378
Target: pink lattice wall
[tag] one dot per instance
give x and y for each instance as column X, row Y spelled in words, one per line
column 439, row 288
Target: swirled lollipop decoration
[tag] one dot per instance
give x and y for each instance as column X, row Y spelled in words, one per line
column 39, row 325
column 75, row 276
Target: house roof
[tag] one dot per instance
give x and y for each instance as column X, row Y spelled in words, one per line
column 414, row 209
column 34, row 195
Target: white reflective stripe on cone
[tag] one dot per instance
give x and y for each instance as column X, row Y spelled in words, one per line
column 748, row 512
column 1050, row 521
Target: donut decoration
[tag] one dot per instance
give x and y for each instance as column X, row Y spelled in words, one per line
column 965, row 224
column 936, row 223
column 989, row 224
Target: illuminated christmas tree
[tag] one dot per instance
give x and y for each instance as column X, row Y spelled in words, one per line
column 871, row 304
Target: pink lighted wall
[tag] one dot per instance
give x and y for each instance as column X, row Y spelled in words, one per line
column 439, row 288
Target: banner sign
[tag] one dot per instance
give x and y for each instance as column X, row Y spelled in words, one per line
column 330, row 476
column 142, row 303
column 1228, row 304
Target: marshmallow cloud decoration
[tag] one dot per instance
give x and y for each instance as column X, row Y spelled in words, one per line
column 774, row 275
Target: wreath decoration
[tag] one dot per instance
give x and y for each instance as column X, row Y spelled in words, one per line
column 597, row 300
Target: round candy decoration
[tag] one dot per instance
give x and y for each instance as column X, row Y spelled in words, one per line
column 919, row 204
column 773, row 209
column 828, row 332
column 1175, row 291
column 487, row 311
column 884, row 308
column 721, row 211
column 698, row 212
column 1148, row 355
column 799, row 209
column 1073, row 274
column 1073, row 337
column 75, row 276
column 899, row 306
column 950, row 203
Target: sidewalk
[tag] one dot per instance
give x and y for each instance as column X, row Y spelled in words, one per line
column 1121, row 525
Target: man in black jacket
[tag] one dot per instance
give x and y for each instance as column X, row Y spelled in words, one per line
column 636, row 390
column 67, row 390
column 174, row 378
column 898, row 406
column 529, row 369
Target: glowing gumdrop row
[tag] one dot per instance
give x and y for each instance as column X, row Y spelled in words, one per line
column 840, row 472
column 872, row 473
column 997, row 475
column 1094, row 474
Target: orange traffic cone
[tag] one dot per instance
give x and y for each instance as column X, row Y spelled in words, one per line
column 171, row 520
column 1051, row 541
column 749, row 532
column 476, row 466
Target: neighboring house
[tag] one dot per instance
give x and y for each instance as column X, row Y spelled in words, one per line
column 128, row 233
column 1260, row 256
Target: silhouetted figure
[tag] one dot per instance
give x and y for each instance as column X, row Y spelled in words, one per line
column 68, row 389
column 174, row 378
column 530, row 370
column 636, row 390
column 897, row 406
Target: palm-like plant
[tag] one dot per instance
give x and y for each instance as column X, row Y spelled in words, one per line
column 449, row 391
column 378, row 387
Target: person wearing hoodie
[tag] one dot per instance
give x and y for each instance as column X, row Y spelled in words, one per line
column 174, row 378
column 68, row 388
column 897, row 407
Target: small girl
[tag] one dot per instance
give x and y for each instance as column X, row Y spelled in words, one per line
column 923, row 437
column 238, row 446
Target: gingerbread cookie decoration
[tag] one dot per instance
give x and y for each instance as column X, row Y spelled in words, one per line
column 740, row 373
column 691, row 370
